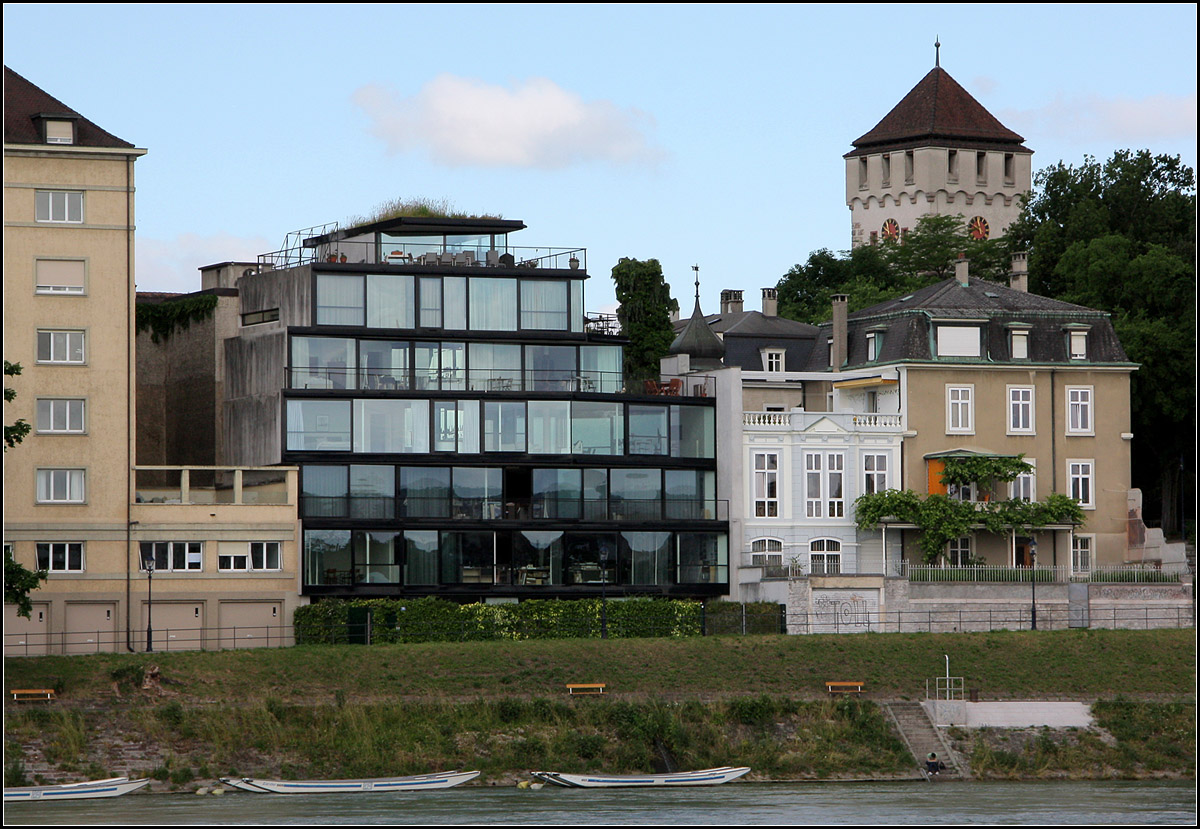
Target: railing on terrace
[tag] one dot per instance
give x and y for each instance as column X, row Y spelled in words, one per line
column 402, row 254
column 596, row 322
column 587, row 381
column 483, row 508
column 774, row 566
column 850, row 421
column 242, row 485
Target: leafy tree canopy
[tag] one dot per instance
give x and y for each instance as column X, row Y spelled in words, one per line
column 645, row 315
column 15, row 433
column 18, row 582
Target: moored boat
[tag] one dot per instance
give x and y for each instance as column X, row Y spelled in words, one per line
column 413, row 783
column 110, row 787
column 703, row 777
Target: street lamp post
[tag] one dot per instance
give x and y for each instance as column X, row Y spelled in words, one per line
column 148, row 566
column 603, row 594
column 1033, row 583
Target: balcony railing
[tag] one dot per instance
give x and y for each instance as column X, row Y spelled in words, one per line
column 400, row 254
column 496, row 379
column 799, row 421
column 518, row 509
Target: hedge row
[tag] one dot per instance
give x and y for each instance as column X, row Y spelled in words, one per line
column 367, row 621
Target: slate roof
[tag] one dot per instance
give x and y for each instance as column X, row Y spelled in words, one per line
column 697, row 340
column 745, row 333
column 938, row 111
column 23, row 102
column 906, row 325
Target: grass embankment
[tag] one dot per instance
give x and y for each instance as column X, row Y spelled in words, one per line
column 500, row 706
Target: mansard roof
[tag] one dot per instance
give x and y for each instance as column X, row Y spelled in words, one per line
column 938, row 111
column 25, row 104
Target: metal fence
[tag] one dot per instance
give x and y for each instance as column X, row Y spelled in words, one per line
column 851, row 620
column 164, row 640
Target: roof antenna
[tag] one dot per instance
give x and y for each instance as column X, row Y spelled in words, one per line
column 937, row 51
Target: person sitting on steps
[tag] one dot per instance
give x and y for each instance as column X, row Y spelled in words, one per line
column 932, row 764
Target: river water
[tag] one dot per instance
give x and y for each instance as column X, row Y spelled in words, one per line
column 918, row 802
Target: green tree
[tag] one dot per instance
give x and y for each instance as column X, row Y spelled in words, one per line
column 15, row 433
column 1121, row 237
column 928, row 252
column 645, row 315
column 18, row 582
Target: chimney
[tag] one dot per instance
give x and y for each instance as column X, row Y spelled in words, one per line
column 1018, row 277
column 770, row 305
column 960, row 269
column 731, row 302
column 838, row 349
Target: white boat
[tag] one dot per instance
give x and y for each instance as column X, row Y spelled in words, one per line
column 704, row 777
column 415, row 783
column 111, row 787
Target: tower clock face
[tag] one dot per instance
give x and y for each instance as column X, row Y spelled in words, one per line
column 890, row 231
column 978, row 228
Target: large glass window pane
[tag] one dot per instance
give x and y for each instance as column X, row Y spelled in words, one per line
column 595, row 494
column 693, row 432
column 648, row 427
column 550, row 368
column 590, row 558
column 424, row 492
column 601, row 368
column 454, row 366
column 323, row 363
column 454, row 298
column 549, row 427
column 493, row 304
column 635, row 494
column 703, row 558
column 477, row 492
column 389, row 426
column 323, row 491
column 327, row 557
column 377, row 557
column 598, row 428
column 544, row 305
column 689, row 494
column 537, row 558
column 576, row 304
column 340, row 299
column 390, row 301
column 421, row 557
column 372, row 491
column 383, row 364
column 410, row 246
column 467, row 557
column 318, row 425
column 645, row 558
column 503, row 426
column 431, row 302
column 495, row 367
column 556, row 493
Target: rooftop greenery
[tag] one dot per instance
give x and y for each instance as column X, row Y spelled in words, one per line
column 418, row 207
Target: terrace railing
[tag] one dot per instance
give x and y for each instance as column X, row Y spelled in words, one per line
column 298, row 252
column 517, row 509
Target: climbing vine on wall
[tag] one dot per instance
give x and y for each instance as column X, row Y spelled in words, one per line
column 165, row 318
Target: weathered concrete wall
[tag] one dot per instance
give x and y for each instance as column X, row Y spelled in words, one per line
column 1016, row 714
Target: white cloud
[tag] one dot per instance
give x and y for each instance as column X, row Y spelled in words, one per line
column 467, row 122
column 174, row 266
column 1133, row 121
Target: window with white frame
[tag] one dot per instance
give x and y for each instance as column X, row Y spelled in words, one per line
column 960, row 414
column 961, row 492
column 1081, row 480
column 875, row 469
column 60, row 416
column 958, row 551
column 173, row 556
column 774, row 360
column 1081, row 553
column 1078, row 345
column 60, row 556
column 958, row 341
column 1019, row 345
column 766, row 552
column 766, row 485
column 1024, row 486
column 60, row 486
column 59, row 206
column 824, row 496
column 242, row 556
column 60, row 347
column 1020, row 410
column 1079, row 410
column 872, row 347
column 59, row 132
column 824, row 557
column 59, row 276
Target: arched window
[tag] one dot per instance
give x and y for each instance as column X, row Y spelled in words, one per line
column 766, row 552
column 824, row 557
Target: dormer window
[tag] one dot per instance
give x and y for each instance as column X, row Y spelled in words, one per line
column 1078, row 345
column 1018, row 341
column 773, row 360
column 958, row 341
column 60, row 132
column 874, row 344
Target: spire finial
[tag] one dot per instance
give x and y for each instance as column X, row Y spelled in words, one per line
column 696, row 270
column 937, row 51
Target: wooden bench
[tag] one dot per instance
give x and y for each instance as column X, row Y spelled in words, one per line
column 844, row 687
column 585, row 688
column 33, row 695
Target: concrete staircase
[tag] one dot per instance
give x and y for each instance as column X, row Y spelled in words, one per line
column 921, row 737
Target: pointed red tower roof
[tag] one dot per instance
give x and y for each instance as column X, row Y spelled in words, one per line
column 938, row 111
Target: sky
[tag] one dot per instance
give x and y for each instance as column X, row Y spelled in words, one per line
column 707, row 135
